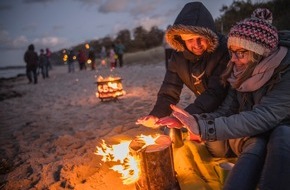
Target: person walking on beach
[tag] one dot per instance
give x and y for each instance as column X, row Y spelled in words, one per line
column 48, row 55
column 71, row 61
column 43, row 64
column 119, row 49
column 103, row 55
column 199, row 58
column 112, row 57
column 92, row 57
column 31, row 60
column 82, row 59
column 253, row 122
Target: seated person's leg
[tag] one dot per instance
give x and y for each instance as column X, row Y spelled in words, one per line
column 276, row 171
column 247, row 170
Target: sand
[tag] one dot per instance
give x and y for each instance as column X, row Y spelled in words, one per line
column 49, row 131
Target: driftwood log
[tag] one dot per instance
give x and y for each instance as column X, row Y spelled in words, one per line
column 156, row 165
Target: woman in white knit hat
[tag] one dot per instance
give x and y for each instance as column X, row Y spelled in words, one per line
column 253, row 122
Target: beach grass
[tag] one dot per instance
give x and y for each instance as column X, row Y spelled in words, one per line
column 151, row 56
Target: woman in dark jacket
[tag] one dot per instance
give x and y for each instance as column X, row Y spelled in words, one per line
column 254, row 120
column 199, row 58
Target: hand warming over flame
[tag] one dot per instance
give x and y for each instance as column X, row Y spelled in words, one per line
column 170, row 122
column 148, row 121
column 186, row 119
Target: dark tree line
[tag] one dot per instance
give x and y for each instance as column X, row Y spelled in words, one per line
column 239, row 10
column 142, row 39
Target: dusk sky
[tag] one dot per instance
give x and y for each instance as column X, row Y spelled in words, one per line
column 58, row 24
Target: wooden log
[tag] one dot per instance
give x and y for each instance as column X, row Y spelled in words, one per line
column 156, row 165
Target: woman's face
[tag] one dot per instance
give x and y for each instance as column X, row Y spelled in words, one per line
column 239, row 56
column 197, row 45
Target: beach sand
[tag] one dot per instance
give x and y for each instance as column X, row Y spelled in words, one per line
column 49, row 131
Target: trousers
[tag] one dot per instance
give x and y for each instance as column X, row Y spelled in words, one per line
column 263, row 160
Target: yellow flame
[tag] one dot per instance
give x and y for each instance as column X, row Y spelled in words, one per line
column 124, row 162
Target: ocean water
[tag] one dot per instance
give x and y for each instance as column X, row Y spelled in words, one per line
column 11, row 72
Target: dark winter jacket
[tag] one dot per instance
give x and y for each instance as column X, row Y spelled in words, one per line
column 31, row 58
column 43, row 62
column 186, row 68
column 259, row 111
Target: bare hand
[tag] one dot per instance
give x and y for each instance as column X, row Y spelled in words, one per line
column 148, row 121
column 170, row 122
column 186, row 119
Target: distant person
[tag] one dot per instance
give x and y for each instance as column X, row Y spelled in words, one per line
column 82, row 59
column 43, row 64
column 31, row 60
column 167, row 49
column 48, row 55
column 116, row 56
column 92, row 57
column 103, row 55
column 112, row 57
column 70, row 61
column 119, row 49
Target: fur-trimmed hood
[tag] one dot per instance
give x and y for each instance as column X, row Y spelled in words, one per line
column 194, row 18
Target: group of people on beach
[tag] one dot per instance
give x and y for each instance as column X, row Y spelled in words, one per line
column 242, row 105
column 36, row 64
column 114, row 56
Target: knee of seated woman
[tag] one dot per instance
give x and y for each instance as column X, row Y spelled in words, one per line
column 254, row 145
column 280, row 136
column 281, row 130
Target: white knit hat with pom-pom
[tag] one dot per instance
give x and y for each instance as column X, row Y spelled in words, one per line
column 256, row 34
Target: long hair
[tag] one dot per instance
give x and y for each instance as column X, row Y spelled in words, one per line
column 254, row 60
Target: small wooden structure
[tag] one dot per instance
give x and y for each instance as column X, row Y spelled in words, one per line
column 156, row 165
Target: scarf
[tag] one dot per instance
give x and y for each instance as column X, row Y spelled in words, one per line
column 262, row 72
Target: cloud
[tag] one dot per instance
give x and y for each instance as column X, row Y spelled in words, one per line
column 114, row 6
column 90, row 3
column 8, row 43
column 51, row 42
column 4, row 7
column 135, row 9
column 148, row 22
column 30, row 27
column 57, row 27
column 21, row 42
column 143, row 8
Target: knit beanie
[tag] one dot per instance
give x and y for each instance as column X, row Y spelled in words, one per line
column 256, row 34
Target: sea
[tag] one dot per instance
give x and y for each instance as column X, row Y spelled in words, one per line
column 11, row 71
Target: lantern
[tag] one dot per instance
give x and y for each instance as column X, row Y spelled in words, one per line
column 109, row 88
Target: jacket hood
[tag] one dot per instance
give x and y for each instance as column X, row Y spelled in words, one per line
column 194, row 18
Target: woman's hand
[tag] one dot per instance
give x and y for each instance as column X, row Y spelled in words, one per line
column 170, row 122
column 148, row 121
column 186, row 119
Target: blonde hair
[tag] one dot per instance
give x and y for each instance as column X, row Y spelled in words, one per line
column 254, row 60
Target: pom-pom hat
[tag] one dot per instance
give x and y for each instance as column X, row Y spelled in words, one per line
column 256, row 34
